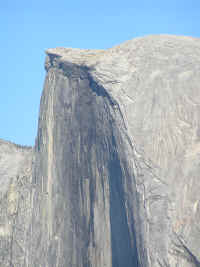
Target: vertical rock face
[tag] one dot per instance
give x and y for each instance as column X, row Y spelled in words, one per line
column 86, row 195
column 115, row 179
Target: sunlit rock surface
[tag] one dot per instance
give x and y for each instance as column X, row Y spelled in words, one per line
column 115, row 180
column 15, row 202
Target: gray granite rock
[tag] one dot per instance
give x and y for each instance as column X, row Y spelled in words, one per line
column 15, row 202
column 115, row 180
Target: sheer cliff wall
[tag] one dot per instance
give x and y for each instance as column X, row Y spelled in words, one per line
column 115, row 173
column 88, row 207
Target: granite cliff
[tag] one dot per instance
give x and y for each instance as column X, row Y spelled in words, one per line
column 113, row 179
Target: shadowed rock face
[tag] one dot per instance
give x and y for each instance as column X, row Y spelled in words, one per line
column 115, row 179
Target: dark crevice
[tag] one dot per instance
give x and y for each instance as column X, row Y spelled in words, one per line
column 192, row 257
column 124, row 252
column 100, row 91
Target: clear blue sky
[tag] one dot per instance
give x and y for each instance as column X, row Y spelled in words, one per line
column 27, row 28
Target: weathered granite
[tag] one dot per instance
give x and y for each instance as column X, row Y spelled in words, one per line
column 15, row 203
column 115, row 180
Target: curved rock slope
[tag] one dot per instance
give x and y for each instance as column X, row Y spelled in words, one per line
column 115, row 180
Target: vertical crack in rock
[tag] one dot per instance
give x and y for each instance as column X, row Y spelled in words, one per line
column 50, row 153
column 123, row 250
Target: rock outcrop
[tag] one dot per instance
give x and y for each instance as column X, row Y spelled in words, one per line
column 15, row 202
column 115, row 179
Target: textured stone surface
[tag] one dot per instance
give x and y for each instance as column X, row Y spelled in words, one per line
column 15, row 203
column 115, row 180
